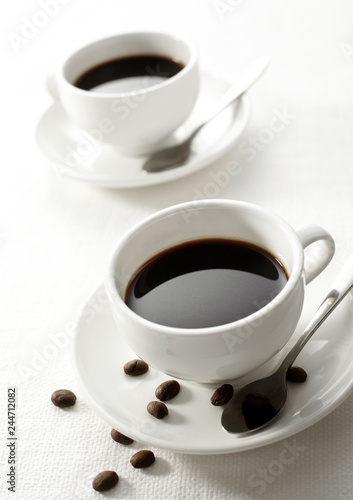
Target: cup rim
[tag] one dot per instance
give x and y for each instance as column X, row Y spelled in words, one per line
column 148, row 90
column 146, row 324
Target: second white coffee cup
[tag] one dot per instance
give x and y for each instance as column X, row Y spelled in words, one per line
column 133, row 121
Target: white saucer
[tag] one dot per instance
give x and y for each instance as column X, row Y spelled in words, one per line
column 193, row 424
column 72, row 155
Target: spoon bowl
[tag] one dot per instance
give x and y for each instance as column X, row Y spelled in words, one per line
column 259, row 403
column 256, row 404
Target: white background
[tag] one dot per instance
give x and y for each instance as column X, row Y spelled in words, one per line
column 56, row 235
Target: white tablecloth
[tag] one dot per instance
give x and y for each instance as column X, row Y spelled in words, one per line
column 56, row 235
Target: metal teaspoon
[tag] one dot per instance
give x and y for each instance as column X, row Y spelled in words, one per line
column 176, row 156
column 236, row 417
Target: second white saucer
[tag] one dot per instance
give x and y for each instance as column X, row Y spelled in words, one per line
column 73, row 153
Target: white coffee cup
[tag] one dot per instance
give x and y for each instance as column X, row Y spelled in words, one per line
column 135, row 121
column 225, row 352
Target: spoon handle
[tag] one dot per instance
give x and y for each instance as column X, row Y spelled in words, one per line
column 237, row 89
column 340, row 287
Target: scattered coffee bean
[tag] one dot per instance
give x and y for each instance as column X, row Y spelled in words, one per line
column 142, row 459
column 296, row 374
column 120, row 438
column 222, row 395
column 257, row 401
column 63, row 398
column 135, row 367
column 105, row 480
column 157, row 409
column 167, row 390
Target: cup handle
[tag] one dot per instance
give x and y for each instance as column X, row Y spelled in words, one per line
column 319, row 256
column 52, row 86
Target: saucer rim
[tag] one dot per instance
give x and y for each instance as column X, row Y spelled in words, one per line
column 150, row 179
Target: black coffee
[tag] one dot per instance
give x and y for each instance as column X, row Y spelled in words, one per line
column 205, row 283
column 128, row 74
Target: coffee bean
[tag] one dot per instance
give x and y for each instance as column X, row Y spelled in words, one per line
column 142, row 459
column 120, row 438
column 296, row 374
column 167, row 390
column 157, row 409
column 105, row 480
column 257, row 401
column 135, row 367
column 222, row 395
column 63, row 398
